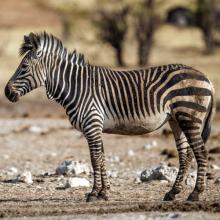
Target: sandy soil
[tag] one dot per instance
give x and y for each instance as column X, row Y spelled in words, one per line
column 43, row 152
column 133, row 216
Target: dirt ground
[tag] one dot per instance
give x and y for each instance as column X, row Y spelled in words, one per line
column 42, row 152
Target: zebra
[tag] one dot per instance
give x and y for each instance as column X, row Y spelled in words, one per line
column 128, row 102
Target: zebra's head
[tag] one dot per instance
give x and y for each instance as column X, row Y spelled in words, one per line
column 30, row 73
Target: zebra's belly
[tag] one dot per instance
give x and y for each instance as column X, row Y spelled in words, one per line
column 134, row 127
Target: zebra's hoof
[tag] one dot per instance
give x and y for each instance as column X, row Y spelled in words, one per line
column 92, row 198
column 169, row 196
column 103, row 196
column 193, row 197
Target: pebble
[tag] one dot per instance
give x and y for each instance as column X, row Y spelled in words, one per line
column 74, row 167
column 76, row 182
column 112, row 174
column 137, row 180
column 173, row 215
column 37, row 130
column 215, row 167
column 131, row 153
column 162, row 172
column 12, row 171
column 217, row 181
column 147, row 146
column 25, row 177
column 150, row 145
column 191, row 179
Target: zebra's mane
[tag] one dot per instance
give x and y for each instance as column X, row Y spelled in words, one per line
column 36, row 39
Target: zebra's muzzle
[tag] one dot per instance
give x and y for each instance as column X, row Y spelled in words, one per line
column 10, row 93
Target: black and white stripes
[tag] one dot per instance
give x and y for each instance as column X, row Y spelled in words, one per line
column 99, row 99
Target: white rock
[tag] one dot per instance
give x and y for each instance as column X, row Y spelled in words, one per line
column 217, row 181
column 147, row 146
column 154, row 143
column 130, row 153
column 53, row 154
column 74, row 167
column 137, row 180
column 112, row 174
column 12, row 171
column 37, row 129
column 162, row 172
column 164, row 181
column 173, row 215
column 25, row 177
column 150, row 145
column 77, row 182
column 191, row 179
column 215, row 167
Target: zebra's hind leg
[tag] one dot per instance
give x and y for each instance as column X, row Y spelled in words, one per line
column 185, row 157
column 192, row 131
column 200, row 153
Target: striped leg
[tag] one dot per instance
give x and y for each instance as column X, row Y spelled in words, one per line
column 101, row 183
column 104, row 177
column 185, row 157
column 200, row 153
column 192, row 131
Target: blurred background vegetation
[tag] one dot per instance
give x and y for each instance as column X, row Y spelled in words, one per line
column 118, row 33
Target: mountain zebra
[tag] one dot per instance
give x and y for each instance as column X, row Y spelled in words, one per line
column 133, row 102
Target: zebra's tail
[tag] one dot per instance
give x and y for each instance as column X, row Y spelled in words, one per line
column 207, row 125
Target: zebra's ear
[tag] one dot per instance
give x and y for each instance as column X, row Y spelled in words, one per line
column 26, row 46
column 26, row 39
column 34, row 40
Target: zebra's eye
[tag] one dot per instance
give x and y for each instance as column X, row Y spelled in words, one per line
column 25, row 66
column 38, row 53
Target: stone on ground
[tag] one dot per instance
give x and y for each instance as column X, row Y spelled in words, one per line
column 25, row 177
column 217, row 181
column 191, row 179
column 76, row 182
column 162, row 172
column 73, row 167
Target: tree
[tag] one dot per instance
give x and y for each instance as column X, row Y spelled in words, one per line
column 112, row 30
column 205, row 17
column 145, row 28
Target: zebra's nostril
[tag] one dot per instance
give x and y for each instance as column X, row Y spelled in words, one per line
column 7, row 91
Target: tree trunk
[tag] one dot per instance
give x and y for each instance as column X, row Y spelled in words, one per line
column 119, row 56
column 145, row 31
column 206, row 21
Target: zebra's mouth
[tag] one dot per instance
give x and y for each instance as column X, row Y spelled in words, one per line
column 10, row 94
column 14, row 97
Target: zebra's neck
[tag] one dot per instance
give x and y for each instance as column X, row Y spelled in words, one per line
column 67, row 82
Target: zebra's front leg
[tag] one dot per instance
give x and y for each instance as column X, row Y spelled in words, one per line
column 101, row 183
column 103, row 194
